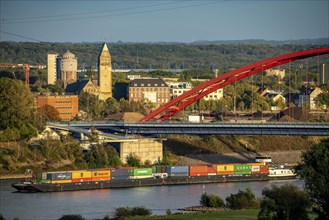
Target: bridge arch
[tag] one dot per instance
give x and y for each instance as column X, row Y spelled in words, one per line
column 179, row 103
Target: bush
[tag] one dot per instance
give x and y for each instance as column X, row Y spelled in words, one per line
column 213, row 201
column 242, row 200
column 71, row 217
column 125, row 212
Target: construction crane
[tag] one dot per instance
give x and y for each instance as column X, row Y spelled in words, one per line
column 25, row 66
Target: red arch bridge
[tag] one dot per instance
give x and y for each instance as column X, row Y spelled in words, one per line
column 177, row 104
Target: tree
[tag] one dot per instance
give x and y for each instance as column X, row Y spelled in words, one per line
column 243, row 199
column 212, row 200
column 287, row 202
column 314, row 170
column 133, row 160
column 46, row 113
column 16, row 107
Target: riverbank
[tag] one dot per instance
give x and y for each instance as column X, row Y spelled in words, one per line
column 14, row 176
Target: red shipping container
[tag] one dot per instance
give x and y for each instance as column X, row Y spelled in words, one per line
column 78, row 180
column 198, row 174
column 264, row 169
column 212, row 168
column 199, row 169
column 100, row 178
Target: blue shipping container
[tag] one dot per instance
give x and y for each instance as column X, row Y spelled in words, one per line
column 177, row 169
column 59, row 176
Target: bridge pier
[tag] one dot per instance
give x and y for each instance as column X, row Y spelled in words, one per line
column 146, row 149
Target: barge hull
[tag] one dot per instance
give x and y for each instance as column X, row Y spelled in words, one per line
column 47, row 187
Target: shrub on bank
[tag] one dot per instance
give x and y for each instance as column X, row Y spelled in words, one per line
column 213, row 201
column 125, row 212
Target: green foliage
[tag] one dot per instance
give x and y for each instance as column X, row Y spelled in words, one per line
column 100, row 156
column 1, row 217
column 124, row 212
column 133, row 160
column 213, row 201
column 45, row 114
column 242, row 200
column 71, row 217
column 286, row 202
column 314, row 170
column 323, row 98
column 16, row 108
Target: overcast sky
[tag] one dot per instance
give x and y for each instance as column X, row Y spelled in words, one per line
column 157, row 20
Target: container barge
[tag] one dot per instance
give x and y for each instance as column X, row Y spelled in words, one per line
column 155, row 176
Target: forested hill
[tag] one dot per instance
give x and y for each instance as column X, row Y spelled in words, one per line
column 146, row 55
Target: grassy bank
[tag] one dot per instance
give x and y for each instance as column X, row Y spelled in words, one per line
column 247, row 214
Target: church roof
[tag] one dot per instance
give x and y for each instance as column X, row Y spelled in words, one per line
column 105, row 47
column 76, row 87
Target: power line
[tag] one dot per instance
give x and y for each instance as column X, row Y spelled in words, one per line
column 85, row 13
column 18, row 35
column 114, row 15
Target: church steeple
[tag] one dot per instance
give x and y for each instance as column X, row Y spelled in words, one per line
column 105, row 73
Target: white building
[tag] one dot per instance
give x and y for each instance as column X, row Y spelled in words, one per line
column 52, row 68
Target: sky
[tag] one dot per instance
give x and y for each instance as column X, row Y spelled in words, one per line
column 162, row 21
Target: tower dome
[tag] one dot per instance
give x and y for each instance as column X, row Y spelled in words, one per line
column 68, row 55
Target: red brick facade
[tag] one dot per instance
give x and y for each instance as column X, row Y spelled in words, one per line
column 67, row 105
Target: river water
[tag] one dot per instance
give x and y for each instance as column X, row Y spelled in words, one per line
column 95, row 204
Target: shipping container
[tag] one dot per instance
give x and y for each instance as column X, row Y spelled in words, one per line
column 59, row 176
column 140, row 172
column 81, row 174
column 60, row 181
column 242, row 169
column 43, row 181
column 264, row 169
column 177, row 169
column 120, row 172
column 120, row 177
column 100, row 178
column 141, row 177
column 178, row 174
column 159, row 169
column 77, row 180
column 255, row 169
column 101, row 173
column 225, row 169
column 198, row 170
column 212, row 169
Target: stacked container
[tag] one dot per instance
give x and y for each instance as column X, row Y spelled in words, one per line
column 264, row 169
column 121, row 173
column 140, row 173
column 198, row 170
column 59, row 177
column 225, row 169
column 177, row 170
column 242, row 169
column 100, row 175
column 81, row 176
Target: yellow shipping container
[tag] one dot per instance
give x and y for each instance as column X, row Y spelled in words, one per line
column 256, row 164
column 60, row 181
column 100, row 173
column 224, row 167
column 81, row 174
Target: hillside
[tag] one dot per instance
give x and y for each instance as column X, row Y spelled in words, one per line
column 228, row 148
column 162, row 56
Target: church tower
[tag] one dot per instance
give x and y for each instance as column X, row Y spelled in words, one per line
column 105, row 73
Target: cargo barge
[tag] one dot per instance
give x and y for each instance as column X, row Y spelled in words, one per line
column 142, row 177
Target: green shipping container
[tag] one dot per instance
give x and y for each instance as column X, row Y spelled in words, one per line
column 43, row 181
column 242, row 169
column 140, row 172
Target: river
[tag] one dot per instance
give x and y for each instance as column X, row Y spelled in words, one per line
column 95, row 204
